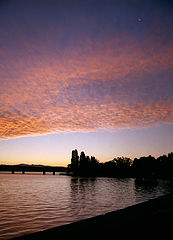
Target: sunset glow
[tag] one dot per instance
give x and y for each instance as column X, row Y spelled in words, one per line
column 84, row 67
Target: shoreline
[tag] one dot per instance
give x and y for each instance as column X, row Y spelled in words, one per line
column 150, row 219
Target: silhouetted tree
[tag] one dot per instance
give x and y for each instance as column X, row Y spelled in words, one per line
column 109, row 168
column 94, row 166
column 165, row 165
column 74, row 166
column 84, row 164
column 123, row 165
column 144, row 166
column 117, row 167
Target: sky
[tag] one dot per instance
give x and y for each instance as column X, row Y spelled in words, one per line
column 93, row 75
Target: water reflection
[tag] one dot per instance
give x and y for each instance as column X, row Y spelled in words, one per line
column 31, row 203
column 146, row 185
column 93, row 196
column 82, row 197
column 82, row 185
column 151, row 188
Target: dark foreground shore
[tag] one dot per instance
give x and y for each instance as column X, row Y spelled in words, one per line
column 148, row 220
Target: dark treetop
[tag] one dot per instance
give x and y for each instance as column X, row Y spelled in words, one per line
column 149, row 166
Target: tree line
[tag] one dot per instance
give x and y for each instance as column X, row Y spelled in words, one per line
column 161, row 167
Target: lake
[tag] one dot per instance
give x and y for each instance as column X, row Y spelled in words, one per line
column 34, row 202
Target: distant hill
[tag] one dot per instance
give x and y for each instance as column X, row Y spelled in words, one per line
column 32, row 165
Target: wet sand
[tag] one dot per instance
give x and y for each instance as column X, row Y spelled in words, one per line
column 148, row 220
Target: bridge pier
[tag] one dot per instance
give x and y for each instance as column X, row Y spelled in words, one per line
column 44, row 172
column 12, row 171
column 53, row 173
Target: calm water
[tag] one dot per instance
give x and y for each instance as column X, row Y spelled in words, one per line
column 30, row 203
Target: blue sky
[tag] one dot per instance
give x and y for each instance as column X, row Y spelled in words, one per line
column 55, row 149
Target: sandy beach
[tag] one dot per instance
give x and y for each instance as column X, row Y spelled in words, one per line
column 146, row 220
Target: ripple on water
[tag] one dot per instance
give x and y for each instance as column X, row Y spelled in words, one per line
column 31, row 203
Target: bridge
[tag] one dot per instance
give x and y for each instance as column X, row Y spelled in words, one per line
column 31, row 168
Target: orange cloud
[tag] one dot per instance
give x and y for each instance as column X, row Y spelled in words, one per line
column 93, row 86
